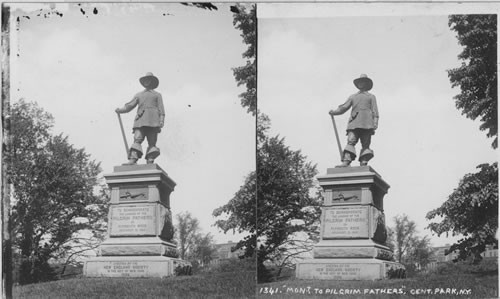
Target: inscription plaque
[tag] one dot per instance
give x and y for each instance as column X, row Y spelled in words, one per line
column 132, row 220
column 130, row 268
column 126, row 268
column 339, row 271
column 345, row 223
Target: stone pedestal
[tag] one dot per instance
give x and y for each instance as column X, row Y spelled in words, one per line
column 353, row 234
column 140, row 228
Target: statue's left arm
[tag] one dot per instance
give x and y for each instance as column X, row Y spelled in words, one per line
column 375, row 112
column 161, row 110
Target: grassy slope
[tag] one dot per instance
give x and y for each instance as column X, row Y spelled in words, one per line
column 241, row 285
column 219, row 285
column 481, row 286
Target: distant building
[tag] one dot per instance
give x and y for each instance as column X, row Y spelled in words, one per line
column 490, row 253
column 224, row 252
column 442, row 257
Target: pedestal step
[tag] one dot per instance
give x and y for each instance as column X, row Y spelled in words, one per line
column 353, row 252
column 153, row 246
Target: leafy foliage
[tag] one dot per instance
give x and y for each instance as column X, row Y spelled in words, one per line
column 54, row 196
column 186, row 230
column 472, row 211
column 204, row 250
column 241, row 209
column 477, row 76
column 233, row 265
column 284, row 206
column 274, row 202
column 246, row 20
column 404, row 233
column 242, row 215
column 199, row 249
column 202, row 5
column 410, row 249
column 484, row 267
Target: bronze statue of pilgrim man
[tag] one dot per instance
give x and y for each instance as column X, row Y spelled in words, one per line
column 362, row 123
column 148, row 121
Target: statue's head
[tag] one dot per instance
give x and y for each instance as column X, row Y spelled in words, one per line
column 363, row 83
column 149, row 81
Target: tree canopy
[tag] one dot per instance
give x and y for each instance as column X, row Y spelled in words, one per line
column 477, row 75
column 186, row 230
column 245, row 19
column 410, row 249
column 275, row 202
column 471, row 211
column 54, row 196
column 193, row 245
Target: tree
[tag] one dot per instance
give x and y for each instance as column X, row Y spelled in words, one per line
column 282, row 184
column 421, row 253
column 242, row 217
column 274, row 203
column 246, row 20
column 186, row 231
column 477, row 76
column 204, row 250
column 194, row 246
column 471, row 211
column 53, row 198
column 404, row 233
column 202, row 5
column 410, row 249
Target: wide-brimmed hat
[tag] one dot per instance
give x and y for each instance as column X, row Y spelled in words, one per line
column 362, row 79
column 154, row 83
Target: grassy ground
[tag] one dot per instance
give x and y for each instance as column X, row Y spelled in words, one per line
column 208, row 285
column 429, row 286
column 237, row 280
column 241, row 285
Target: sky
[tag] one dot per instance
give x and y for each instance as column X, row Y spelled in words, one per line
column 309, row 55
column 80, row 67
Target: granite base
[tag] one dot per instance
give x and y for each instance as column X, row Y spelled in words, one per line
column 132, row 266
column 348, row 269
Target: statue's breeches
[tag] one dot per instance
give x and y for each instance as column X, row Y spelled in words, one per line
column 353, row 136
column 139, row 135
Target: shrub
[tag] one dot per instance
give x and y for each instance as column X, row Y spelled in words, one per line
column 467, row 267
column 183, row 270
column 233, row 265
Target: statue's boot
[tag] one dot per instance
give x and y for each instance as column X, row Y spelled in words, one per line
column 151, row 154
column 131, row 161
column 349, row 155
column 134, row 154
column 365, row 156
column 345, row 163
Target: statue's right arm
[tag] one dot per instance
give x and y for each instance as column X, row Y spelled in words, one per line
column 342, row 108
column 129, row 106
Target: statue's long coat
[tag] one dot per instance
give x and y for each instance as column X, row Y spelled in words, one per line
column 150, row 111
column 364, row 113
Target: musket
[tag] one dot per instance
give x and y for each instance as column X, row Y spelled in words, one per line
column 337, row 136
column 123, row 133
